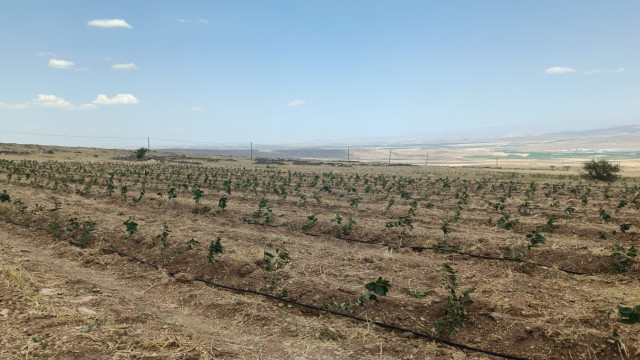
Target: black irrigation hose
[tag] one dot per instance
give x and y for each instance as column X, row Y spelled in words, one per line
column 420, row 248
column 316, row 308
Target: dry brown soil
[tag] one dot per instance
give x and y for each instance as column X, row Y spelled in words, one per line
column 64, row 301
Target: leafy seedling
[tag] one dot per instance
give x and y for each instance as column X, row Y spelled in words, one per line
column 629, row 315
column 215, row 248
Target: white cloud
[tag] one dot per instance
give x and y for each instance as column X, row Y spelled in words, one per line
column 559, row 70
column 297, row 102
column 82, row 69
column 119, row 99
column 128, row 66
column 109, row 23
column 203, row 21
column 48, row 100
column 603, row 71
column 12, row 106
column 181, row 20
column 53, row 101
column 197, row 108
column 60, row 64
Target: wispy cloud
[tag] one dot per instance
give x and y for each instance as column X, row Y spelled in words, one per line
column 109, row 23
column 197, row 108
column 53, row 101
column 44, row 53
column 60, row 64
column 559, row 70
column 297, row 102
column 189, row 19
column 12, row 106
column 128, row 66
column 603, row 71
column 119, row 99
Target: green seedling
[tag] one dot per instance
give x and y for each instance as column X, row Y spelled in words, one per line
column 222, row 204
column 456, row 304
column 416, row 293
column 535, row 239
column 215, row 248
column 312, row 222
column 374, row 289
column 131, row 227
column 4, row 196
column 629, row 315
column 197, row 195
column 625, row 227
column 162, row 238
column 622, row 258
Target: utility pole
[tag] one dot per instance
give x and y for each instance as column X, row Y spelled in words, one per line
column 389, row 156
column 348, row 156
column 251, row 151
column 427, row 161
column 496, row 163
column 148, row 144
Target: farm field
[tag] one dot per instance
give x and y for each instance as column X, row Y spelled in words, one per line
column 524, row 263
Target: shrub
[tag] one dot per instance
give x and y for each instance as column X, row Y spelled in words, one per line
column 140, row 153
column 601, row 170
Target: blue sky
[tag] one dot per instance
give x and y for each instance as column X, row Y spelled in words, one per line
column 296, row 71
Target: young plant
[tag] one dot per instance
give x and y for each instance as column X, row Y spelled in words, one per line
column 131, row 226
column 416, row 293
column 535, row 239
column 622, row 258
column 4, row 197
column 267, row 214
column 274, row 259
column 138, row 198
column 171, row 193
column 312, row 222
column 606, row 217
column 222, row 204
column 197, row 194
column 215, row 248
column 629, row 315
column 456, row 304
column 87, row 227
column 550, row 225
column 625, row 227
column 379, row 287
column 162, row 238
column 569, row 210
column 340, row 230
column 505, row 223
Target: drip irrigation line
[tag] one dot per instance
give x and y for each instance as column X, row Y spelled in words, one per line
column 337, row 313
column 421, row 248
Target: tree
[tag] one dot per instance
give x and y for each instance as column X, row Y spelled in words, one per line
column 600, row 170
column 140, row 153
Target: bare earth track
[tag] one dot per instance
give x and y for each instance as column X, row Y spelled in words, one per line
column 63, row 301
